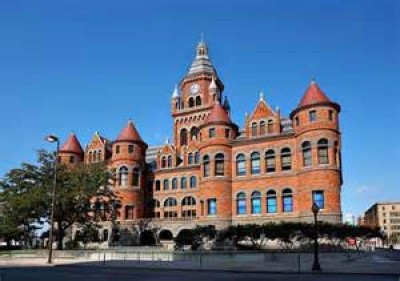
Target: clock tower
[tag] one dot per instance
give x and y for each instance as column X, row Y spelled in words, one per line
column 194, row 98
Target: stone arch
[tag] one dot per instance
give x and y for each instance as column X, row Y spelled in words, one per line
column 166, row 235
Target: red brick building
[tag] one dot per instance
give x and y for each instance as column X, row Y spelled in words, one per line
column 215, row 172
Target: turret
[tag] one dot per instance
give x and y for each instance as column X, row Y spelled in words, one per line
column 71, row 152
column 175, row 100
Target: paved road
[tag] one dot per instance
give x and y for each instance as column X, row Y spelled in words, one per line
column 114, row 274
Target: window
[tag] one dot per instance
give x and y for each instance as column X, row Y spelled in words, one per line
column 123, row 176
column 174, row 183
column 330, row 115
column 166, row 184
column 191, row 102
column 117, row 149
column 212, row 206
column 184, row 137
column 72, row 159
column 188, row 213
column 135, row 177
column 271, row 202
column 312, row 115
column 307, row 155
column 190, row 158
column 189, row 201
column 270, row 128
column 227, row 133
column 170, row 214
column 255, row 163
column 241, row 203
column 183, row 183
column 262, row 128
column 318, row 198
column 169, row 161
column 240, row 165
column 99, row 155
column 197, row 158
column 158, row 185
column 323, row 157
column 105, row 235
column 193, row 132
column 198, row 101
column 163, row 162
column 206, row 166
column 270, row 162
column 254, row 129
column 129, row 212
column 296, row 121
column 90, row 156
column 192, row 182
column 256, row 202
column 170, row 202
column 211, row 132
column 219, row 164
column 130, row 148
column 286, row 159
column 287, row 200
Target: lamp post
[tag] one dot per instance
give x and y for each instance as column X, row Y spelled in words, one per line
column 316, row 266
column 52, row 138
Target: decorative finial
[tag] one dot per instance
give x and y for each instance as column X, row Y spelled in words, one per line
column 175, row 93
column 277, row 109
column 246, row 115
column 313, row 80
column 213, row 85
column 167, row 140
column 262, row 96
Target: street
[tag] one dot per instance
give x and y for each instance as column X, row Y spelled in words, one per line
column 64, row 273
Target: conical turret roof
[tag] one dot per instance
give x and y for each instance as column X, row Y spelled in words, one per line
column 313, row 95
column 218, row 114
column 129, row 133
column 72, row 145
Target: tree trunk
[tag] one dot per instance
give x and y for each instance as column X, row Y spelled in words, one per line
column 60, row 236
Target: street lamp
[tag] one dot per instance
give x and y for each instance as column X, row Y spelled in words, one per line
column 316, row 266
column 52, row 138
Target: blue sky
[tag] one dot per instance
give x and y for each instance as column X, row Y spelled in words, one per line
column 90, row 65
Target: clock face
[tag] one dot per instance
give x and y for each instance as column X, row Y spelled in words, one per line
column 194, row 89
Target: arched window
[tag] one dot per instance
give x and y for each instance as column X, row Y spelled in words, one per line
column 197, row 157
column 163, row 162
column 287, row 200
column 254, row 129
column 192, row 182
column 270, row 127
column 174, row 183
column 255, row 163
column 206, row 166
column 271, row 202
column 170, row 202
column 94, row 156
column 270, row 161
column 166, row 184
column 219, row 164
column 191, row 102
column 193, row 132
column 99, row 155
column 241, row 203
column 90, row 156
column 190, row 158
column 188, row 201
column 169, row 161
column 286, row 159
column 135, row 177
column 240, row 165
column 198, row 101
column 158, row 185
column 256, row 202
column 323, row 157
column 262, row 128
column 183, row 183
column 184, row 136
column 123, row 176
column 307, row 155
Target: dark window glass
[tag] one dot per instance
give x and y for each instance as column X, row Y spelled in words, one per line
column 330, row 114
column 241, row 203
column 254, row 129
column 318, row 198
column 240, row 165
column 262, row 128
column 190, row 158
column 270, row 128
column 166, row 184
column 206, row 164
column 323, row 157
column 255, row 163
column 129, row 212
column 219, row 164
column 211, row 132
column 183, row 183
column 227, row 133
column 270, row 161
column 117, row 149
column 72, row 159
column 312, row 115
column 184, row 136
column 286, row 159
column 307, row 154
column 197, row 157
column 174, row 183
column 198, row 101
column 169, row 161
column 130, row 148
column 158, row 185
column 192, row 182
column 135, row 177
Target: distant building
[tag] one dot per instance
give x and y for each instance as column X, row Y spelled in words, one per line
column 386, row 216
column 350, row 219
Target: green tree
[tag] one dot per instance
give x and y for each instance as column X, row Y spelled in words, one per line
column 89, row 233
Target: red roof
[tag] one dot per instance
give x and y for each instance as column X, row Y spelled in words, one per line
column 129, row 133
column 313, row 95
column 72, row 145
column 218, row 114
